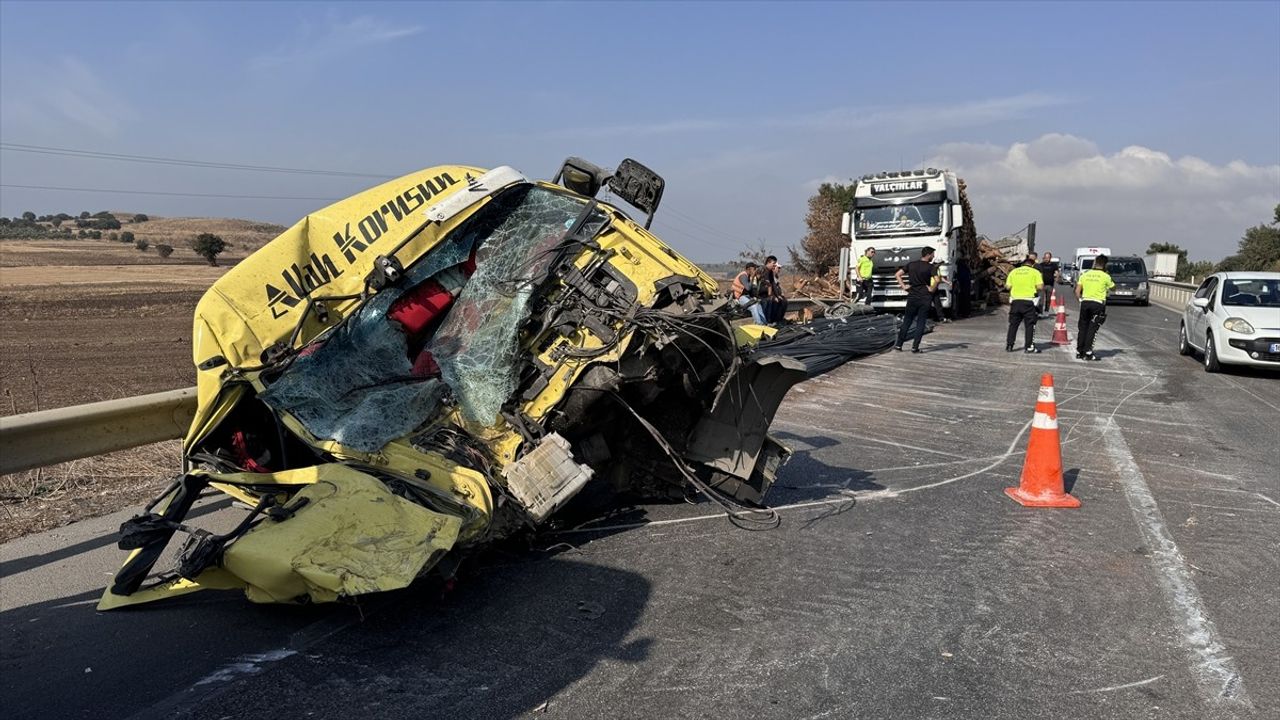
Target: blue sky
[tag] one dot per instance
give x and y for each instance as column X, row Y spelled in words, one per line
column 1107, row 123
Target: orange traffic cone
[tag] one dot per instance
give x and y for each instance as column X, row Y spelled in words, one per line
column 1060, row 325
column 1041, row 484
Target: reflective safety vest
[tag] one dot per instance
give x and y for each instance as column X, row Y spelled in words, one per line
column 864, row 267
column 1094, row 285
column 1022, row 282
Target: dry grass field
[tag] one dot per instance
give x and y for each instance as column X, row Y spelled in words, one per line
column 88, row 320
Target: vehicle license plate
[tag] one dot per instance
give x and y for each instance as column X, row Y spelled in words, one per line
column 1275, row 348
column 1124, row 292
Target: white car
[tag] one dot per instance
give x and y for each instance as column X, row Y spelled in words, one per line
column 1234, row 318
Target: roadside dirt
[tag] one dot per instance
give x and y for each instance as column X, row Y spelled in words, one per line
column 78, row 327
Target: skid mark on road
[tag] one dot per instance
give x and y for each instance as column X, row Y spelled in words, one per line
column 1211, row 664
column 1113, row 688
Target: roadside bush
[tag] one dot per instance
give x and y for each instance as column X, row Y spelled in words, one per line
column 208, row 246
column 141, row 244
column 113, row 236
column 140, row 218
column 163, row 250
column 95, row 234
column 126, row 237
column 82, row 234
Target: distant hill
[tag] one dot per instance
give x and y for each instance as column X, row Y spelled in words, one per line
column 243, row 236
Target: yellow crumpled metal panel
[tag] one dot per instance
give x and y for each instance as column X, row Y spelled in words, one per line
column 353, row 536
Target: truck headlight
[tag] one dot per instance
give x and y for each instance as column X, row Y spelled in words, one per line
column 1238, row 325
column 1142, row 286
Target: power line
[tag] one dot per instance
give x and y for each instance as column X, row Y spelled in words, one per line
column 707, row 228
column 671, row 229
column 162, row 192
column 152, row 160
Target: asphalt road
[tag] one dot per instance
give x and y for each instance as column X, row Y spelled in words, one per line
column 902, row 582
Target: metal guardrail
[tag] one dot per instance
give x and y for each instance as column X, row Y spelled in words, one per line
column 1175, row 295
column 70, row 433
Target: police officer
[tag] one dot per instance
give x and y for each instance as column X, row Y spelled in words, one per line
column 1024, row 284
column 863, row 271
column 1091, row 290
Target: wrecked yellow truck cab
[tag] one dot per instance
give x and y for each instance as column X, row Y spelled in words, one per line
column 445, row 360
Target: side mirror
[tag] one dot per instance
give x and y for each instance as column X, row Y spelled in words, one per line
column 846, row 223
column 1202, row 303
column 957, row 216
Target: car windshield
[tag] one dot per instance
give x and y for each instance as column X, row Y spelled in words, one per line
column 1127, row 267
column 1263, row 292
column 896, row 218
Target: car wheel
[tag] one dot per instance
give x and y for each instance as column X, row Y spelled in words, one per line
column 1184, row 344
column 1211, row 363
column 1145, row 303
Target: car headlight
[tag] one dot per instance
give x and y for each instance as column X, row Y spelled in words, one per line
column 1142, row 286
column 1238, row 325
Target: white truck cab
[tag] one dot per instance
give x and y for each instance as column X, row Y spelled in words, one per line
column 898, row 214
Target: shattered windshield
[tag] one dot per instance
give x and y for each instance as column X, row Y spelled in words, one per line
column 476, row 346
column 897, row 218
column 360, row 386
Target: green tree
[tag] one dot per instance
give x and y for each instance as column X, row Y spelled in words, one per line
column 140, row 218
column 208, row 246
column 141, row 244
column 28, row 216
column 1259, row 249
column 820, row 249
column 1196, row 271
column 164, row 250
column 126, row 237
column 113, row 237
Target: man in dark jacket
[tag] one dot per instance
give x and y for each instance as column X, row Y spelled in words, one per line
column 918, row 278
column 1048, row 267
column 775, row 306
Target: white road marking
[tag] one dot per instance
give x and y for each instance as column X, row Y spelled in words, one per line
column 1215, row 671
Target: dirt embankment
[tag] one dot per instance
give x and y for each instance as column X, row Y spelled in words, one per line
column 82, row 321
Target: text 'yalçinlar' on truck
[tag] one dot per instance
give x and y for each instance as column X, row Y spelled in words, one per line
column 442, row 361
column 899, row 214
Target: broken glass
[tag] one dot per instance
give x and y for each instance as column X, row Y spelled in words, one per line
column 477, row 344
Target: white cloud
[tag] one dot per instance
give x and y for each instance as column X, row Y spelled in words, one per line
column 1126, row 199
column 900, row 120
column 316, row 43
column 919, row 118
